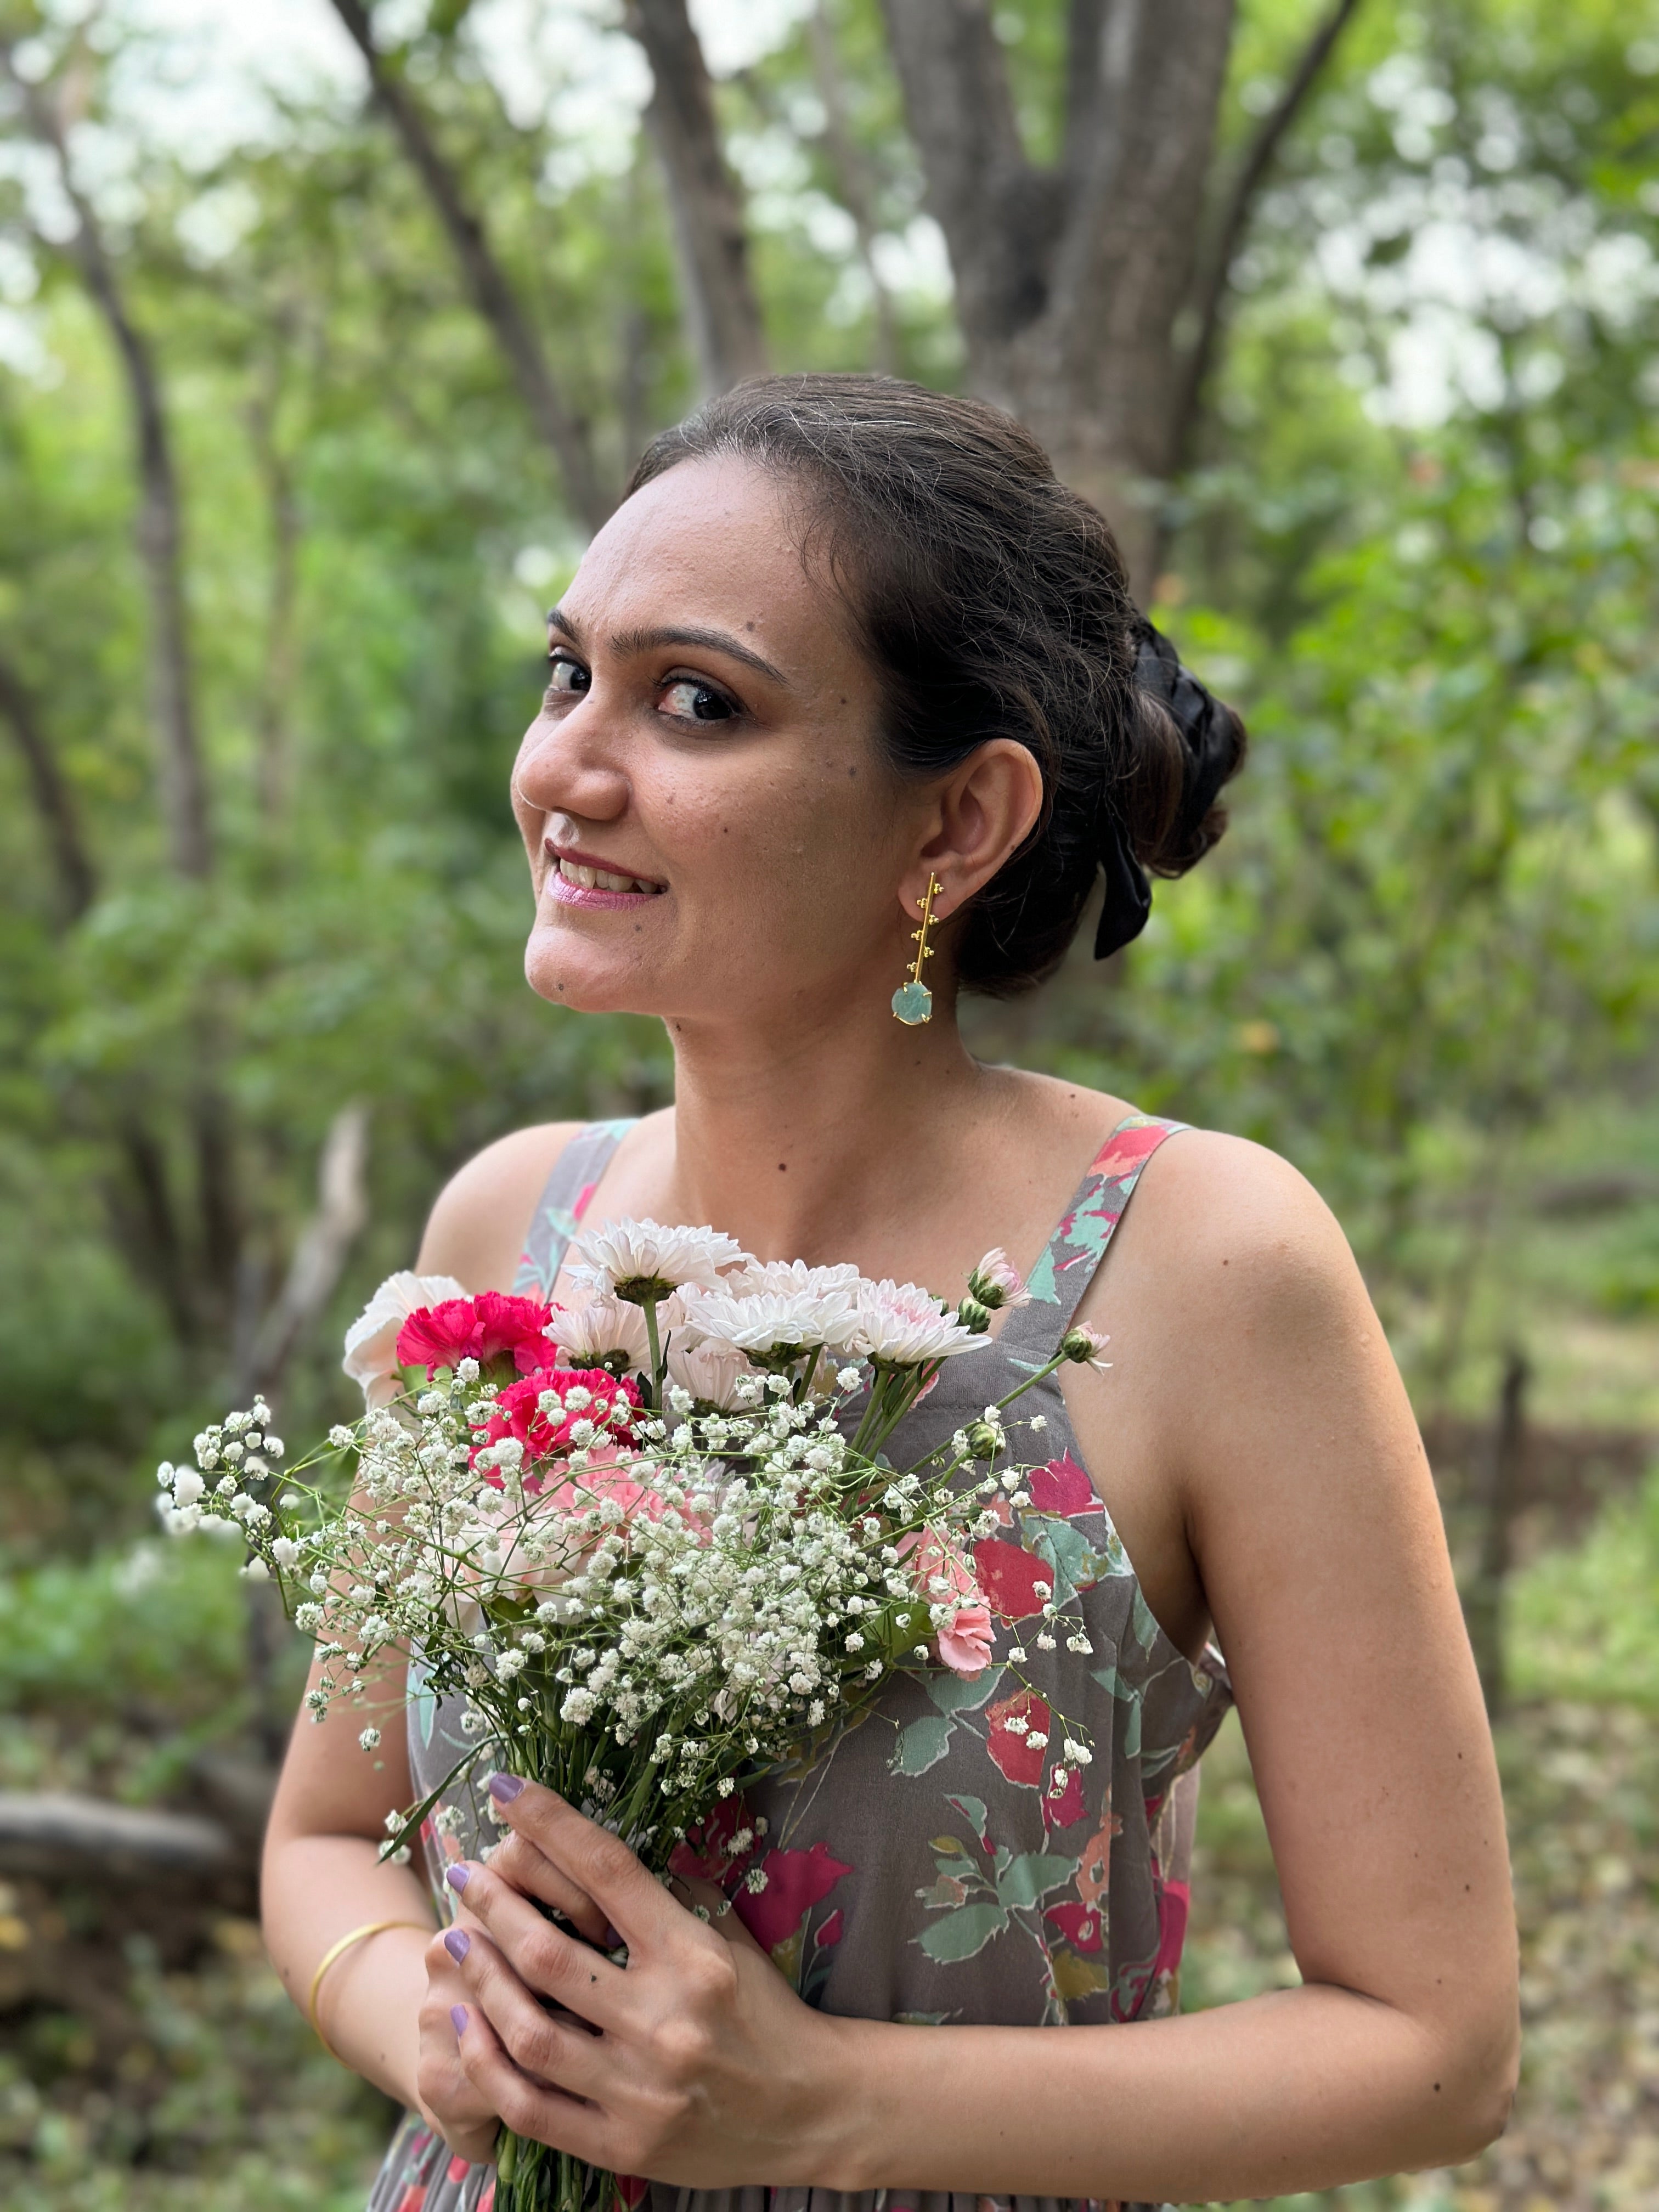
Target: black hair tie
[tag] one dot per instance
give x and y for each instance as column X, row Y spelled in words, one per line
column 1209, row 738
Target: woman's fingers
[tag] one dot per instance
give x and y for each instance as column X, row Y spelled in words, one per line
column 529, row 2108
column 555, row 2048
column 552, row 1964
column 522, row 1864
column 599, row 1863
column 460, row 2112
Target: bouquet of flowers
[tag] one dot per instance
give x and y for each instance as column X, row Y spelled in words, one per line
column 651, row 1537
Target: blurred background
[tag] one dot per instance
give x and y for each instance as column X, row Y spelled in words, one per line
column 328, row 334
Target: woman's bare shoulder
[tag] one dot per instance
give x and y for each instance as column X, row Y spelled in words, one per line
column 476, row 1228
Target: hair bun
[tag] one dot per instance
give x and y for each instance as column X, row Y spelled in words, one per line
column 1163, row 818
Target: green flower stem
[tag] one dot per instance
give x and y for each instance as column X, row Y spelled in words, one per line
column 657, row 1365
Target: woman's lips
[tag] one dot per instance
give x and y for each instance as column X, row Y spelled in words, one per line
column 578, row 879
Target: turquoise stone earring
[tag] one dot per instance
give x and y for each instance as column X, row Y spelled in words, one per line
column 912, row 1002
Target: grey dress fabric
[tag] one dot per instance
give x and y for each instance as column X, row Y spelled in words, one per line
column 932, row 1866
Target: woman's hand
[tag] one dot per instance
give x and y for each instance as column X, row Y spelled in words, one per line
column 450, row 2100
column 695, row 2063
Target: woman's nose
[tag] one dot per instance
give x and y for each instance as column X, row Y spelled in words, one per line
column 570, row 766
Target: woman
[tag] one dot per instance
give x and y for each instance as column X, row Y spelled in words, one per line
column 847, row 639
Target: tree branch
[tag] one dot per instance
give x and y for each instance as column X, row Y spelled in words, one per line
column 722, row 315
column 855, row 182
column 183, row 783
column 320, row 1252
column 997, row 211
column 485, row 278
column 1213, row 284
column 54, row 800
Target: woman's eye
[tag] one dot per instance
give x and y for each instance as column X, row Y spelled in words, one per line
column 567, row 677
column 697, row 702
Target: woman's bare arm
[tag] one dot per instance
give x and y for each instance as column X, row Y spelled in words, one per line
column 321, row 1876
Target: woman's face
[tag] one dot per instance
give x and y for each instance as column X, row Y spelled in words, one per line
column 711, row 832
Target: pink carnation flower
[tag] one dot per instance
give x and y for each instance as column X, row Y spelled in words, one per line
column 966, row 1641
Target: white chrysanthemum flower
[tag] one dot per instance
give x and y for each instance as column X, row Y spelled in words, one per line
column 646, row 1259
column 782, row 1276
column 602, row 1324
column 1084, row 1345
column 371, row 1342
column 718, row 1374
column 996, row 1282
column 774, row 1321
column 901, row 1325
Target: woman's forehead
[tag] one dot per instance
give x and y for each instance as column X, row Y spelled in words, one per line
column 708, row 545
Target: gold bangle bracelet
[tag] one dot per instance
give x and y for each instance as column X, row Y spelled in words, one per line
column 336, row 1950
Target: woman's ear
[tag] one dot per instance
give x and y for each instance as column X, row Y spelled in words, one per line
column 984, row 812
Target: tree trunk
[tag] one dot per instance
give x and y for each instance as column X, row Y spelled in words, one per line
column 1495, row 1501
column 76, row 881
column 855, row 180
column 486, row 279
column 722, row 315
column 1071, row 281
column 159, row 532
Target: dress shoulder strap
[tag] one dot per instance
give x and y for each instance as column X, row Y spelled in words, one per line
column 562, row 1203
column 1078, row 1245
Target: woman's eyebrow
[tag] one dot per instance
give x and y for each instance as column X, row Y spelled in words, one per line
column 629, row 642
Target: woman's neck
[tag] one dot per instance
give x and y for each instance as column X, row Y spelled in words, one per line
column 806, row 1139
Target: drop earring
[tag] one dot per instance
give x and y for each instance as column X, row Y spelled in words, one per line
column 912, row 1002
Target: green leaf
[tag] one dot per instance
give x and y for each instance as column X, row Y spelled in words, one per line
column 921, row 1746
column 949, row 1845
column 962, row 1935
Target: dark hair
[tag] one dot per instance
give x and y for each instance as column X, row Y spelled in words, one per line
column 993, row 602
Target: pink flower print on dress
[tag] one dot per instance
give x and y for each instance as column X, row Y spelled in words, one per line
column 792, row 1882
column 1126, row 1150
column 1062, row 1801
column 1016, row 1583
column 1079, row 1924
column 1016, row 1737
column 1095, row 1868
column 1062, row 1488
column 705, row 1854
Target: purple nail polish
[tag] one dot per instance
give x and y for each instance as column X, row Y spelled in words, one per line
column 458, row 1876
column 458, row 2014
column 613, row 1941
column 504, row 1788
column 458, row 1944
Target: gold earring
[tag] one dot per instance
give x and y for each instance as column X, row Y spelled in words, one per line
column 912, row 1002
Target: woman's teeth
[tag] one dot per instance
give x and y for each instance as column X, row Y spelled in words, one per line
column 601, row 879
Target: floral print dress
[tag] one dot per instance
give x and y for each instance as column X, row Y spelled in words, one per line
column 934, row 1867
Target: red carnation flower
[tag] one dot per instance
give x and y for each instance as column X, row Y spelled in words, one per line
column 518, row 1411
column 489, row 1326
column 439, row 1336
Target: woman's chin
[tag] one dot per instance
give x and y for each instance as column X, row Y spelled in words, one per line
column 568, row 972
